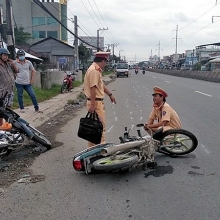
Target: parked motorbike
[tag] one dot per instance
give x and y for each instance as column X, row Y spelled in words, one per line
column 134, row 151
column 13, row 137
column 68, row 81
column 136, row 71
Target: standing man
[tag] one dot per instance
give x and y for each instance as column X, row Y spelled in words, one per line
column 95, row 89
column 25, row 79
column 164, row 115
column 7, row 76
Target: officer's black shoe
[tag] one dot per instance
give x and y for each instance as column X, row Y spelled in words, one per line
column 157, row 135
column 151, row 165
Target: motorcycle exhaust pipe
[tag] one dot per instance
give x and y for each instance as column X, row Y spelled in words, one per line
column 120, row 147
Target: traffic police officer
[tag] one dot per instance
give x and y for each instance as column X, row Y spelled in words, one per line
column 95, row 89
column 164, row 115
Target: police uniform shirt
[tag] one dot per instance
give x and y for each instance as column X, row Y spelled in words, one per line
column 166, row 113
column 93, row 77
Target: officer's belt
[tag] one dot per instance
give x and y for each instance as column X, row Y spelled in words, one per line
column 96, row 99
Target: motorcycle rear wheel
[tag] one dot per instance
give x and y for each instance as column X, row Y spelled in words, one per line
column 111, row 163
column 178, row 142
column 40, row 138
column 64, row 88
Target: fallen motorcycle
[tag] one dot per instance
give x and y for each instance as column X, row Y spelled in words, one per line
column 13, row 137
column 134, row 151
column 67, row 84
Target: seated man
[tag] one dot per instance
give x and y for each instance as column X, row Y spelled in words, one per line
column 164, row 115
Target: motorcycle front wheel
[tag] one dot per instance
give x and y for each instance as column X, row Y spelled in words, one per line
column 40, row 138
column 178, row 142
column 117, row 162
column 64, row 88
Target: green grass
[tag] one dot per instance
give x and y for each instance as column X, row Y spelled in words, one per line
column 105, row 73
column 41, row 94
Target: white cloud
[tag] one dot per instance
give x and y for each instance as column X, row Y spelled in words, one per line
column 138, row 26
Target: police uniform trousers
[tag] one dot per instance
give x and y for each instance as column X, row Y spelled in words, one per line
column 100, row 110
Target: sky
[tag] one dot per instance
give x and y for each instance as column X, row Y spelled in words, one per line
column 141, row 28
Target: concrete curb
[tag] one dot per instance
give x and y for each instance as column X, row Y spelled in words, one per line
column 53, row 106
column 213, row 76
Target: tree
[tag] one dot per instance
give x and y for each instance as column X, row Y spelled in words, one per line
column 84, row 55
column 21, row 37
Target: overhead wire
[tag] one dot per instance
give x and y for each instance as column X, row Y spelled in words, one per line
column 72, row 21
column 110, row 34
column 193, row 22
column 45, row 9
column 199, row 30
column 197, row 18
column 93, row 17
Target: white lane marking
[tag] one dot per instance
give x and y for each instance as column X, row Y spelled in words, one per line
column 203, row 93
column 110, row 128
column 205, row 149
column 154, row 77
column 116, row 119
column 132, row 127
column 167, row 81
column 141, row 118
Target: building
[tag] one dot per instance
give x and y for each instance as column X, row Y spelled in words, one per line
column 92, row 41
column 56, row 53
column 207, row 51
column 37, row 22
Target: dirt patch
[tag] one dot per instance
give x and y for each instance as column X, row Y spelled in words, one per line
column 15, row 167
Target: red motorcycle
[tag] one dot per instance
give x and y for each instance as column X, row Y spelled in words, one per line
column 68, row 81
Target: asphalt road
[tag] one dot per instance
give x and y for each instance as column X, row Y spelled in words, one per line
column 180, row 188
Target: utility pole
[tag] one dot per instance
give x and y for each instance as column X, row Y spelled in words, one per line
column 76, row 52
column 10, row 29
column 113, row 51
column 100, row 29
column 159, row 51
column 120, row 54
column 176, row 38
column 214, row 17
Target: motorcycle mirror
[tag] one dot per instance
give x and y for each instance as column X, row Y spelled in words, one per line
column 140, row 125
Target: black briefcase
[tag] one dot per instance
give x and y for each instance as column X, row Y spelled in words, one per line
column 91, row 128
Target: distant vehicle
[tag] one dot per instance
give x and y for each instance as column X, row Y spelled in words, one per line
column 122, row 69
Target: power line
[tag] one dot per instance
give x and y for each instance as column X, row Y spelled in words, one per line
column 104, row 22
column 198, row 30
column 92, row 16
column 197, row 18
column 45, row 9
column 71, row 20
column 95, row 13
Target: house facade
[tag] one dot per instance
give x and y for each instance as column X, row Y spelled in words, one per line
column 56, row 53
